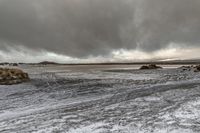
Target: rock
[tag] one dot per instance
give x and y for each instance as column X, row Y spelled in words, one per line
column 144, row 67
column 15, row 64
column 186, row 68
column 151, row 66
column 12, row 76
column 191, row 68
column 197, row 68
column 4, row 63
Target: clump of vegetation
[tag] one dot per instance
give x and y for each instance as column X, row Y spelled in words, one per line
column 10, row 76
column 151, row 66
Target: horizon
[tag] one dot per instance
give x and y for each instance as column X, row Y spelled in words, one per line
column 164, row 62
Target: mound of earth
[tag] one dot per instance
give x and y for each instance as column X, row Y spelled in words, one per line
column 12, row 76
column 151, row 66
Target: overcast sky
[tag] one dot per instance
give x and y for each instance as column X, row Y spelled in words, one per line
column 99, row 30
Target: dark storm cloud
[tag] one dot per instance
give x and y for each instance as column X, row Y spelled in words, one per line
column 96, row 27
column 164, row 21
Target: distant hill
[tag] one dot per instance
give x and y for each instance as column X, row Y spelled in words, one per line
column 48, row 63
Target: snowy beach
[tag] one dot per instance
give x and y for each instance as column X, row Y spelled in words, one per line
column 102, row 99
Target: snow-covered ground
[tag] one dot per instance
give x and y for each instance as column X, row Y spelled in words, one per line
column 102, row 99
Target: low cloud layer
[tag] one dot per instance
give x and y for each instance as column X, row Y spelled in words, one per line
column 85, row 28
column 22, row 54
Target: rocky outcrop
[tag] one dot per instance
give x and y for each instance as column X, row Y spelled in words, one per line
column 151, row 66
column 9, row 64
column 12, row 76
column 186, row 68
column 197, row 68
column 191, row 68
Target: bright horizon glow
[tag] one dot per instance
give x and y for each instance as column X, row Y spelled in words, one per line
column 25, row 55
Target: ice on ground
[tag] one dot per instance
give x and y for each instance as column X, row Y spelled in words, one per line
column 62, row 99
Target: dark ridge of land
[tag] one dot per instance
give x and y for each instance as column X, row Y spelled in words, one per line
column 47, row 62
column 175, row 62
